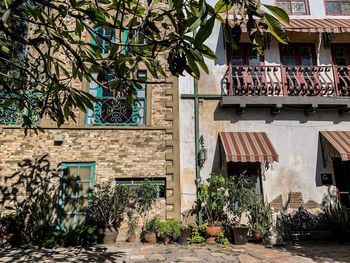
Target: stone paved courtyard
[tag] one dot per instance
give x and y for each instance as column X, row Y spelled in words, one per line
column 251, row 253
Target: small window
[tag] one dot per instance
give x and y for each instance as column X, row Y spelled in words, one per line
column 102, row 38
column 337, row 7
column 114, row 109
column 136, row 182
column 76, row 188
column 294, row 7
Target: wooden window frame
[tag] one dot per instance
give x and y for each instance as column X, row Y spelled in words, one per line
column 326, row 10
column 347, row 51
column 297, row 55
column 245, row 55
column 307, row 7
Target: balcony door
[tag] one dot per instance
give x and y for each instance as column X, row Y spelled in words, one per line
column 341, row 59
column 245, row 68
column 298, row 60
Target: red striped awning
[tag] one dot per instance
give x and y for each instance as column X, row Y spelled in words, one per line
column 340, row 140
column 311, row 25
column 248, row 147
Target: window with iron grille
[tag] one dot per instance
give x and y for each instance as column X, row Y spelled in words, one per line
column 123, row 107
column 294, row 7
column 134, row 183
column 337, row 7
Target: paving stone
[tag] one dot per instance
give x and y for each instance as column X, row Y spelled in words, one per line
column 157, row 257
column 218, row 254
column 189, row 259
column 137, row 257
column 244, row 258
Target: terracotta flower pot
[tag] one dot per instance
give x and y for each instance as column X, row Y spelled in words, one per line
column 167, row 240
column 257, row 235
column 213, row 231
column 132, row 239
column 109, row 234
column 150, row 237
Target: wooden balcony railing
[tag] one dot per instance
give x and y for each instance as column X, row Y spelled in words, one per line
column 287, row 81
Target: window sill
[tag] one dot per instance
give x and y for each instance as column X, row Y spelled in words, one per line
column 90, row 127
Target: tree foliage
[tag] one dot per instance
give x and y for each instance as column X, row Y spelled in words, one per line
column 44, row 49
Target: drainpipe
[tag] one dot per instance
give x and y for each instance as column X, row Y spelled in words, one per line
column 196, row 138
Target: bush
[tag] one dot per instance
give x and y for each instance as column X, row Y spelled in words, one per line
column 339, row 220
column 294, row 226
column 152, row 225
column 170, row 228
column 198, row 234
column 260, row 218
column 82, row 235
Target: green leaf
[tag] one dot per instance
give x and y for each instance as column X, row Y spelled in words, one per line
column 194, row 25
column 279, row 13
column 275, row 28
column 204, row 32
column 222, row 7
column 203, row 66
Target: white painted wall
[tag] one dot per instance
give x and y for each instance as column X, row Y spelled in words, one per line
column 294, row 135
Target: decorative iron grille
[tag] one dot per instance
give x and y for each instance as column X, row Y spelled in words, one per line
column 9, row 115
column 117, row 111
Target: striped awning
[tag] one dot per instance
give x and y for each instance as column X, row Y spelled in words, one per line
column 340, row 140
column 311, row 25
column 248, row 147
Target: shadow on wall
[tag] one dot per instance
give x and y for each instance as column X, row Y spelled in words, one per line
column 31, row 196
column 216, row 165
column 264, row 114
column 220, row 51
column 320, row 164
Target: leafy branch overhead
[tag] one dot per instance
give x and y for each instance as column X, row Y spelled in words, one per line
column 49, row 47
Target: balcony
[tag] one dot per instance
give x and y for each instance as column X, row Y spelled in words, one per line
column 310, row 87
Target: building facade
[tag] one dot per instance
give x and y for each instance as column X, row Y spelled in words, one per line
column 282, row 117
column 115, row 142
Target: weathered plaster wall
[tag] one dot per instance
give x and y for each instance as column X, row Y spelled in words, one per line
column 294, row 135
column 295, row 138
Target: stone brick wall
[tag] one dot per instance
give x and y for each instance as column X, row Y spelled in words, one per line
column 148, row 151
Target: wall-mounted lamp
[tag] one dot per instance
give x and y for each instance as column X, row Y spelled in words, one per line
column 202, row 153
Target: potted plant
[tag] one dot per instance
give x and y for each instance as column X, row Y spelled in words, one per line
column 150, row 230
column 132, row 225
column 108, row 208
column 339, row 220
column 260, row 220
column 169, row 230
column 240, row 198
column 211, row 199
